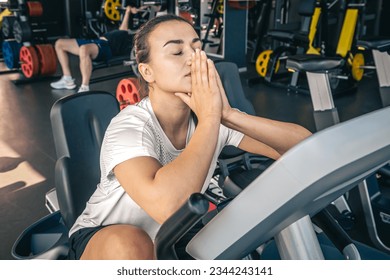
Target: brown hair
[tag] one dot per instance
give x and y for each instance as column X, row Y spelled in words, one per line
column 142, row 47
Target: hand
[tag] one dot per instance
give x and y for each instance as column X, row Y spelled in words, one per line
column 226, row 108
column 130, row 9
column 205, row 98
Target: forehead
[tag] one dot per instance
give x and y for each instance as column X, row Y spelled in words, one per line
column 172, row 30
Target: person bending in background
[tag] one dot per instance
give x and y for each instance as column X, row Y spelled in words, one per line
column 154, row 156
column 113, row 43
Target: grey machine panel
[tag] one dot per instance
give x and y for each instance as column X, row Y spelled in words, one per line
column 302, row 182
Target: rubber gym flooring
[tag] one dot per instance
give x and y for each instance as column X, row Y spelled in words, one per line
column 27, row 153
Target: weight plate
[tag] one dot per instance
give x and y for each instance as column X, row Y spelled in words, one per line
column 7, row 26
column 357, row 62
column 35, row 8
column 22, row 31
column 11, row 50
column 47, row 59
column 262, row 63
column 29, row 60
column 220, row 7
column 110, row 9
column 127, row 92
column 241, row 5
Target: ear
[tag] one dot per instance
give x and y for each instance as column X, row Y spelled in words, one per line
column 146, row 72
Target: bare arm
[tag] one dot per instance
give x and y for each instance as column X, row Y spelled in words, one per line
column 161, row 190
column 125, row 21
column 262, row 136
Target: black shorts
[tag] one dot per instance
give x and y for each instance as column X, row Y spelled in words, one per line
column 79, row 240
column 104, row 48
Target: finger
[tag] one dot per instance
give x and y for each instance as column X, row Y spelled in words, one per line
column 197, row 67
column 212, row 74
column 204, row 69
column 193, row 71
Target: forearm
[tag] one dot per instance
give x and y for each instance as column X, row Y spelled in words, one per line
column 186, row 175
column 125, row 21
column 280, row 136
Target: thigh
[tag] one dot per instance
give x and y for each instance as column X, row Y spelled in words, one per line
column 69, row 45
column 119, row 242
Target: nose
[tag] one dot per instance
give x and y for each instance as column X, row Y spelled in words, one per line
column 189, row 56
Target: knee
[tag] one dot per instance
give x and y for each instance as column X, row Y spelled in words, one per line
column 128, row 243
column 84, row 52
column 59, row 44
column 137, row 246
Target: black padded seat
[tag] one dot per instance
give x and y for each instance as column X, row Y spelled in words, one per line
column 376, row 43
column 313, row 63
column 297, row 38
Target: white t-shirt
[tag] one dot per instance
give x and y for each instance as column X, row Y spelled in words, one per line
column 136, row 132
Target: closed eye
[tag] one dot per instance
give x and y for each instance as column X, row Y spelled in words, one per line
column 178, row 53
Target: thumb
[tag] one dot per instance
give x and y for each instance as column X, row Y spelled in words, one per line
column 184, row 97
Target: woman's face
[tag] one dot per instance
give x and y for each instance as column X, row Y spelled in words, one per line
column 171, row 46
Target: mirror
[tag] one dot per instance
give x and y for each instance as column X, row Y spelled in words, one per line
column 211, row 27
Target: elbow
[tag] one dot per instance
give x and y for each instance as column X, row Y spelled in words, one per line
column 165, row 214
column 301, row 133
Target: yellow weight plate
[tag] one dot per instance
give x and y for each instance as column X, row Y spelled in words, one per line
column 262, row 63
column 220, row 8
column 357, row 62
column 110, row 9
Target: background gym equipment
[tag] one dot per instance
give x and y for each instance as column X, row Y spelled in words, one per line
column 10, row 52
column 114, row 62
column 114, row 8
column 127, row 92
column 334, row 170
column 32, row 21
column 374, row 201
column 7, row 26
column 380, row 48
column 297, row 41
column 78, row 123
column 38, row 60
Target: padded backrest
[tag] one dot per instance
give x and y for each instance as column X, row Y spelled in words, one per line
column 306, row 7
column 78, row 123
column 306, row 10
column 230, row 77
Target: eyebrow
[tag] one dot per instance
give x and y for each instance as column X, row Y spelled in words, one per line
column 179, row 41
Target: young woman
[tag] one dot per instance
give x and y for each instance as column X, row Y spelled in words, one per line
column 154, row 157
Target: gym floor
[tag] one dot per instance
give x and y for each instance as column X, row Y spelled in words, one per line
column 27, row 153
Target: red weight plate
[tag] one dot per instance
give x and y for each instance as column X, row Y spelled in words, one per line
column 47, row 59
column 127, row 92
column 29, row 60
column 241, row 5
column 35, row 8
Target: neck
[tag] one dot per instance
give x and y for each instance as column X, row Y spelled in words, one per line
column 173, row 116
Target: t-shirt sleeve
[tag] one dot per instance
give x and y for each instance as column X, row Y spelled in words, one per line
column 126, row 137
column 233, row 137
